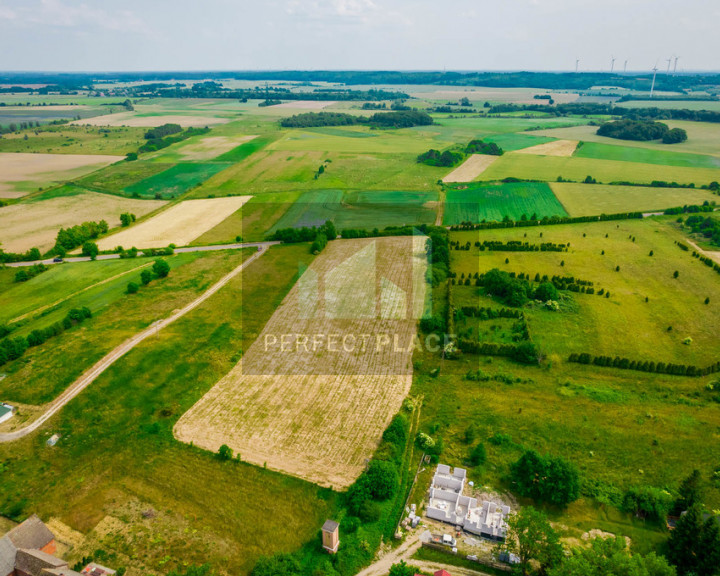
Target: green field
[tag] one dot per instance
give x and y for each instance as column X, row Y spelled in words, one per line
column 59, row 283
column 587, row 414
column 703, row 137
column 478, row 202
column 360, row 209
column 646, row 156
column 593, row 323
column 176, row 180
column 116, row 178
column 548, row 168
column 46, row 370
column 594, row 199
column 74, row 140
column 118, row 456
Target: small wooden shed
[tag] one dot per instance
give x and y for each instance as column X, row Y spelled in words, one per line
column 331, row 536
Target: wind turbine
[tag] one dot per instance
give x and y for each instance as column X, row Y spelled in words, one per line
column 668, row 68
column 612, row 64
column 625, row 67
column 652, row 87
column 577, row 62
column 675, row 67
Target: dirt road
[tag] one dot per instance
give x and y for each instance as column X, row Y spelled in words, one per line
column 108, row 360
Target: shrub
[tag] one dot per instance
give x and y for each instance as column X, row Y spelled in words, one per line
column 161, row 268
column 478, row 455
column 225, row 452
column 647, row 502
column 546, row 478
column 383, row 479
column 546, row 291
column 132, row 288
column 146, row 277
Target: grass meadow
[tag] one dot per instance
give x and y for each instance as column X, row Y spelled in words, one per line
column 477, row 202
column 117, row 456
column 594, row 199
column 548, row 168
column 176, row 180
column 46, row 370
column 360, row 209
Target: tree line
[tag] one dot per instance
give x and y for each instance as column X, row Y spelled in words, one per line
column 394, row 119
column 13, row 348
column 644, row 366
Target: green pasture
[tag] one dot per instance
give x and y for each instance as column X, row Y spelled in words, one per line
column 124, row 458
column 176, row 180
column 646, row 156
column 703, row 137
column 595, row 199
column 44, row 371
column 117, row 177
column 595, row 324
column 360, row 209
column 478, row 202
column 287, row 171
column 70, row 139
column 713, row 105
column 549, row 168
column 61, row 282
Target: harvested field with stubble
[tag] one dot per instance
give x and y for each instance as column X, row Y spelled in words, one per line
column 471, row 168
column 314, row 392
column 132, row 119
column 35, row 224
column 179, row 225
column 305, row 104
column 43, row 169
column 555, row 148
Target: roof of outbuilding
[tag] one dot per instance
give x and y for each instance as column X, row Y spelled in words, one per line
column 330, row 526
column 34, row 561
column 7, row 556
column 31, row 534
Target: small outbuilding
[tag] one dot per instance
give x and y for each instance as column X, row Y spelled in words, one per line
column 331, row 536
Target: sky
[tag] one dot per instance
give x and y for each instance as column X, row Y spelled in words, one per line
column 140, row 35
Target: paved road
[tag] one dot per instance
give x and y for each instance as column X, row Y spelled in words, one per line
column 88, row 377
column 177, row 251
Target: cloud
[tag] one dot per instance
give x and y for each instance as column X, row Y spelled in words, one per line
column 83, row 17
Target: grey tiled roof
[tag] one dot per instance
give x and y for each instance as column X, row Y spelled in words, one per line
column 7, row 556
column 31, row 534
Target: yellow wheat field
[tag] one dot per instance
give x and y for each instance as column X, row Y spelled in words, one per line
column 35, row 224
column 313, row 394
column 133, row 120
column 180, row 224
column 43, row 169
column 555, row 148
column 471, row 168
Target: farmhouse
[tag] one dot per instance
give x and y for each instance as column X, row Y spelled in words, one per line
column 27, row 550
column 6, row 412
column 448, row 504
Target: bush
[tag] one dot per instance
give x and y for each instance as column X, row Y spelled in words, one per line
column 132, row 288
column 278, row 565
column 225, row 452
column 478, row 455
column 370, row 511
column 146, row 277
column 546, row 478
column 546, row 291
column 161, row 268
column 383, row 479
column 90, row 249
column 647, row 502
